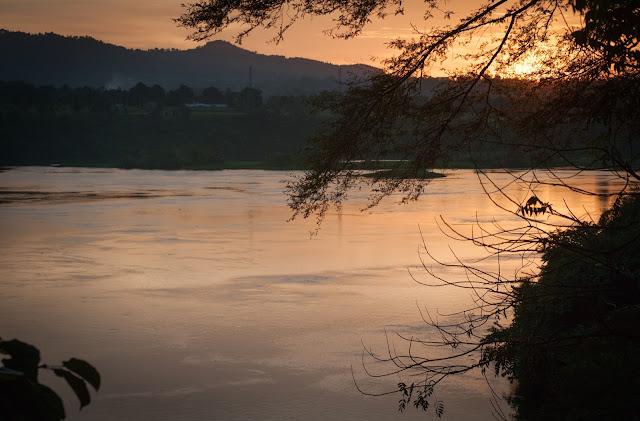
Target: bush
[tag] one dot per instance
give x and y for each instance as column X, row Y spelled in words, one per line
column 573, row 346
column 23, row 398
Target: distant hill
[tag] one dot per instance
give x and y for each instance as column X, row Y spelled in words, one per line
column 51, row 59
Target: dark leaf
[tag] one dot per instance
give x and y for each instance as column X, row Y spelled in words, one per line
column 77, row 384
column 24, row 357
column 48, row 404
column 84, row 370
column 23, row 400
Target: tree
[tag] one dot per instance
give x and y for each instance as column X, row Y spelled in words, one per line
column 574, row 329
column 250, row 99
column 212, row 95
column 578, row 106
column 156, row 94
column 23, row 398
column 138, row 94
column 180, row 96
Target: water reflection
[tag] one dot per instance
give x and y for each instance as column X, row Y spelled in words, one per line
column 197, row 300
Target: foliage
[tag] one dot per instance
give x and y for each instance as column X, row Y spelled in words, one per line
column 89, row 127
column 23, row 398
column 574, row 329
column 210, row 17
column 611, row 29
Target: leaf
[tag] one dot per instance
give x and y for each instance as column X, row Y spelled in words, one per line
column 580, row 37
column 77, row 384
column 402, row 405
column 532, row 201
column 24, row 357
column 48, row 404
column 84, row 370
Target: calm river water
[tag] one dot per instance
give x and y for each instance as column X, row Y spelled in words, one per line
column 197, row 301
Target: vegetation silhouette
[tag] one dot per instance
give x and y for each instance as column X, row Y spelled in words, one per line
column 148, row 127
column 569, row 324
column 152, row 128
column 24, row 398
column 575, row 328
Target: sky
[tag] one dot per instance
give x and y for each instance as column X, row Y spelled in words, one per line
column 147, row 24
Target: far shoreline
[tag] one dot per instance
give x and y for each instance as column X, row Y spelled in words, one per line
column 372, row 173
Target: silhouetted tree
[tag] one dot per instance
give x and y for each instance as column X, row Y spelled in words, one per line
column 156, row 94
column 231, row 97
column 23, row 397
column 578, row 106
column 137, row 95
column 180, row 96
column 250, row 99
column 212, row 95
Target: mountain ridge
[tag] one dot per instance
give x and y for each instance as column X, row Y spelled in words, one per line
column 53, row 59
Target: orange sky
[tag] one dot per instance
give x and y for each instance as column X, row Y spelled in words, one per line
column 147, row 24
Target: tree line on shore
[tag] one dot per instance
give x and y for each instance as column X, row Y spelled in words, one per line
column 185, row 128
column 148, row 127
column 21, row 94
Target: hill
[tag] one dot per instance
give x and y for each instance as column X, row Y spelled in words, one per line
column 85, row 61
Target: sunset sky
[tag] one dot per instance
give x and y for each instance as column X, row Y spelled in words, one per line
column 147, row 24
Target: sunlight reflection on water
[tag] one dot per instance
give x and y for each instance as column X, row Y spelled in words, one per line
column 198, row 301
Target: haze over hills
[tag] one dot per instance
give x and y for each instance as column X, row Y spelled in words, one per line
column 51, row 59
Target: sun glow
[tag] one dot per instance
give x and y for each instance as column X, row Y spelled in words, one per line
column 528, row 67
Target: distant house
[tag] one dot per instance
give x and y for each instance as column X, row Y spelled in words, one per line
column 203, row 105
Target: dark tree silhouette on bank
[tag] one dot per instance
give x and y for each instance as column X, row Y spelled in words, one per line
column 578, row 107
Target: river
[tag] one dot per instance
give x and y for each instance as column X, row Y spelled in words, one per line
column 197, row 300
